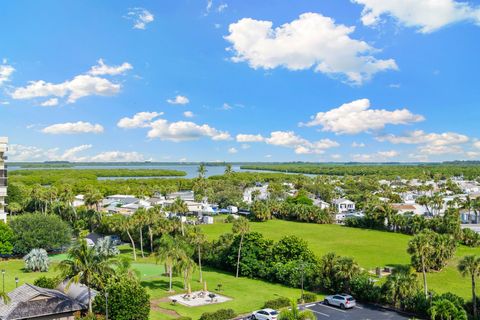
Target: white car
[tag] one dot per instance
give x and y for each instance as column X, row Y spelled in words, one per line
column 343, row 301
column 265, row 314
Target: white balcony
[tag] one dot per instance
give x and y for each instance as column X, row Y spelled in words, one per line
column 3, row 191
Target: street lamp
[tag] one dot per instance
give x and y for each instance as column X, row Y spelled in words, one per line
column 3, row 280
column 302, row 270
column 16, row 282
column 106, row 305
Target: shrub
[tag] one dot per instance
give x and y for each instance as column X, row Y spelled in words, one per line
column 470, row 238
column 6, row 239
column 278, row 303
column 127, row 300
column 221, row 314
column 363, row 288
column 184, row 318
column 37, row 260
column 78, row 316
column 230, row 219
column 45, row 282
column 106, row 248
column 39, row 231
column 308, row 297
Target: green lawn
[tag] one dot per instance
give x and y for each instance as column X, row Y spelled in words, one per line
column 369, row 247
column 246, row 294
column 14, row 268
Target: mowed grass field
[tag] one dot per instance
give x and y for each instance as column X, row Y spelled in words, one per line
column 370, row 248
column 246, row 294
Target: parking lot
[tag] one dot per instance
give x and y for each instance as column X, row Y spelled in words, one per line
column 360, row 312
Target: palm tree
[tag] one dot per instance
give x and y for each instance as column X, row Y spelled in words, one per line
column 171, row 254
column 68, row 197
column 293, row 313
column 85, row 266
column 420, row 246
column 92, row 198
column 444, row 309
column 179, row 207
column 139, row 219
column 202, row 170
column 470, row 265
column 152, row 216
column 241, row 227
column 228, row 169
column 198, row 239
column 125, row 225
column 401, row 284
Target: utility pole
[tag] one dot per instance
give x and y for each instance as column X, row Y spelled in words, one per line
column 106, row 305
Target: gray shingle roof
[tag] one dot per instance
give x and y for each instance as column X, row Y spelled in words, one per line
column 28, row 301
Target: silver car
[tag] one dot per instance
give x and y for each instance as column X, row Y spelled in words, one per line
column 265, row 314
column 343, row 301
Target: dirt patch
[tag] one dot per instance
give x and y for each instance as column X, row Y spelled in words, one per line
column 154, row 305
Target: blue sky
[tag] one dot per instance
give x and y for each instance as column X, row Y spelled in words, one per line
column 324, row 80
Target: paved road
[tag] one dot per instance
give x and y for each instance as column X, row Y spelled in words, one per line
column 360, row 312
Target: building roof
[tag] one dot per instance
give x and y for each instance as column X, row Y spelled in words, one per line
column 29, row 301
column 342, row 200
column 403, row 206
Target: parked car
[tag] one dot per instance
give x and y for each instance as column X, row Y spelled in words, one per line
column 343, row 301
column 265, row 314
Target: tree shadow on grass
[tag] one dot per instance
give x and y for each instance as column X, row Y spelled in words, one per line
column 161, row 284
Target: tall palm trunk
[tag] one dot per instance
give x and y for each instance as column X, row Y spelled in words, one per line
column 170, row 271
column 90, row 309
column 150, row 234
column 200, row 263
column 141, row 242
column 425, row 289
column 133, row 245
column 474, row 297
column 239, row 252
column 181, row 223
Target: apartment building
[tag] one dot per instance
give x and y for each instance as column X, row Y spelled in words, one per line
column 3, row 178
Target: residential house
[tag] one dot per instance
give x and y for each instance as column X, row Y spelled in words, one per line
column 32, row 302
column 403, row 208
column 343, row 205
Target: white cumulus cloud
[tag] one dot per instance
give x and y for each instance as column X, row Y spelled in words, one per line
column 356, row 117
column 140, row 17
column 50, row 103
column 188, row 114
column 289, row 139
column 311, row 41
column 19, row 152
column 184, row 131
column 172, row 131
column 139, row 120
column 118, row 156
column 102, row 69
column 80, row 86
column 179, row 100
column 426, row 15
column 376, row 157
column 232, row 150
column 73, row 128
column 430, row 143
column 358, row 144
column 249, row 138
column 5, row 72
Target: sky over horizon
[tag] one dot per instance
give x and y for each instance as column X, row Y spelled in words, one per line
column 225, row 80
